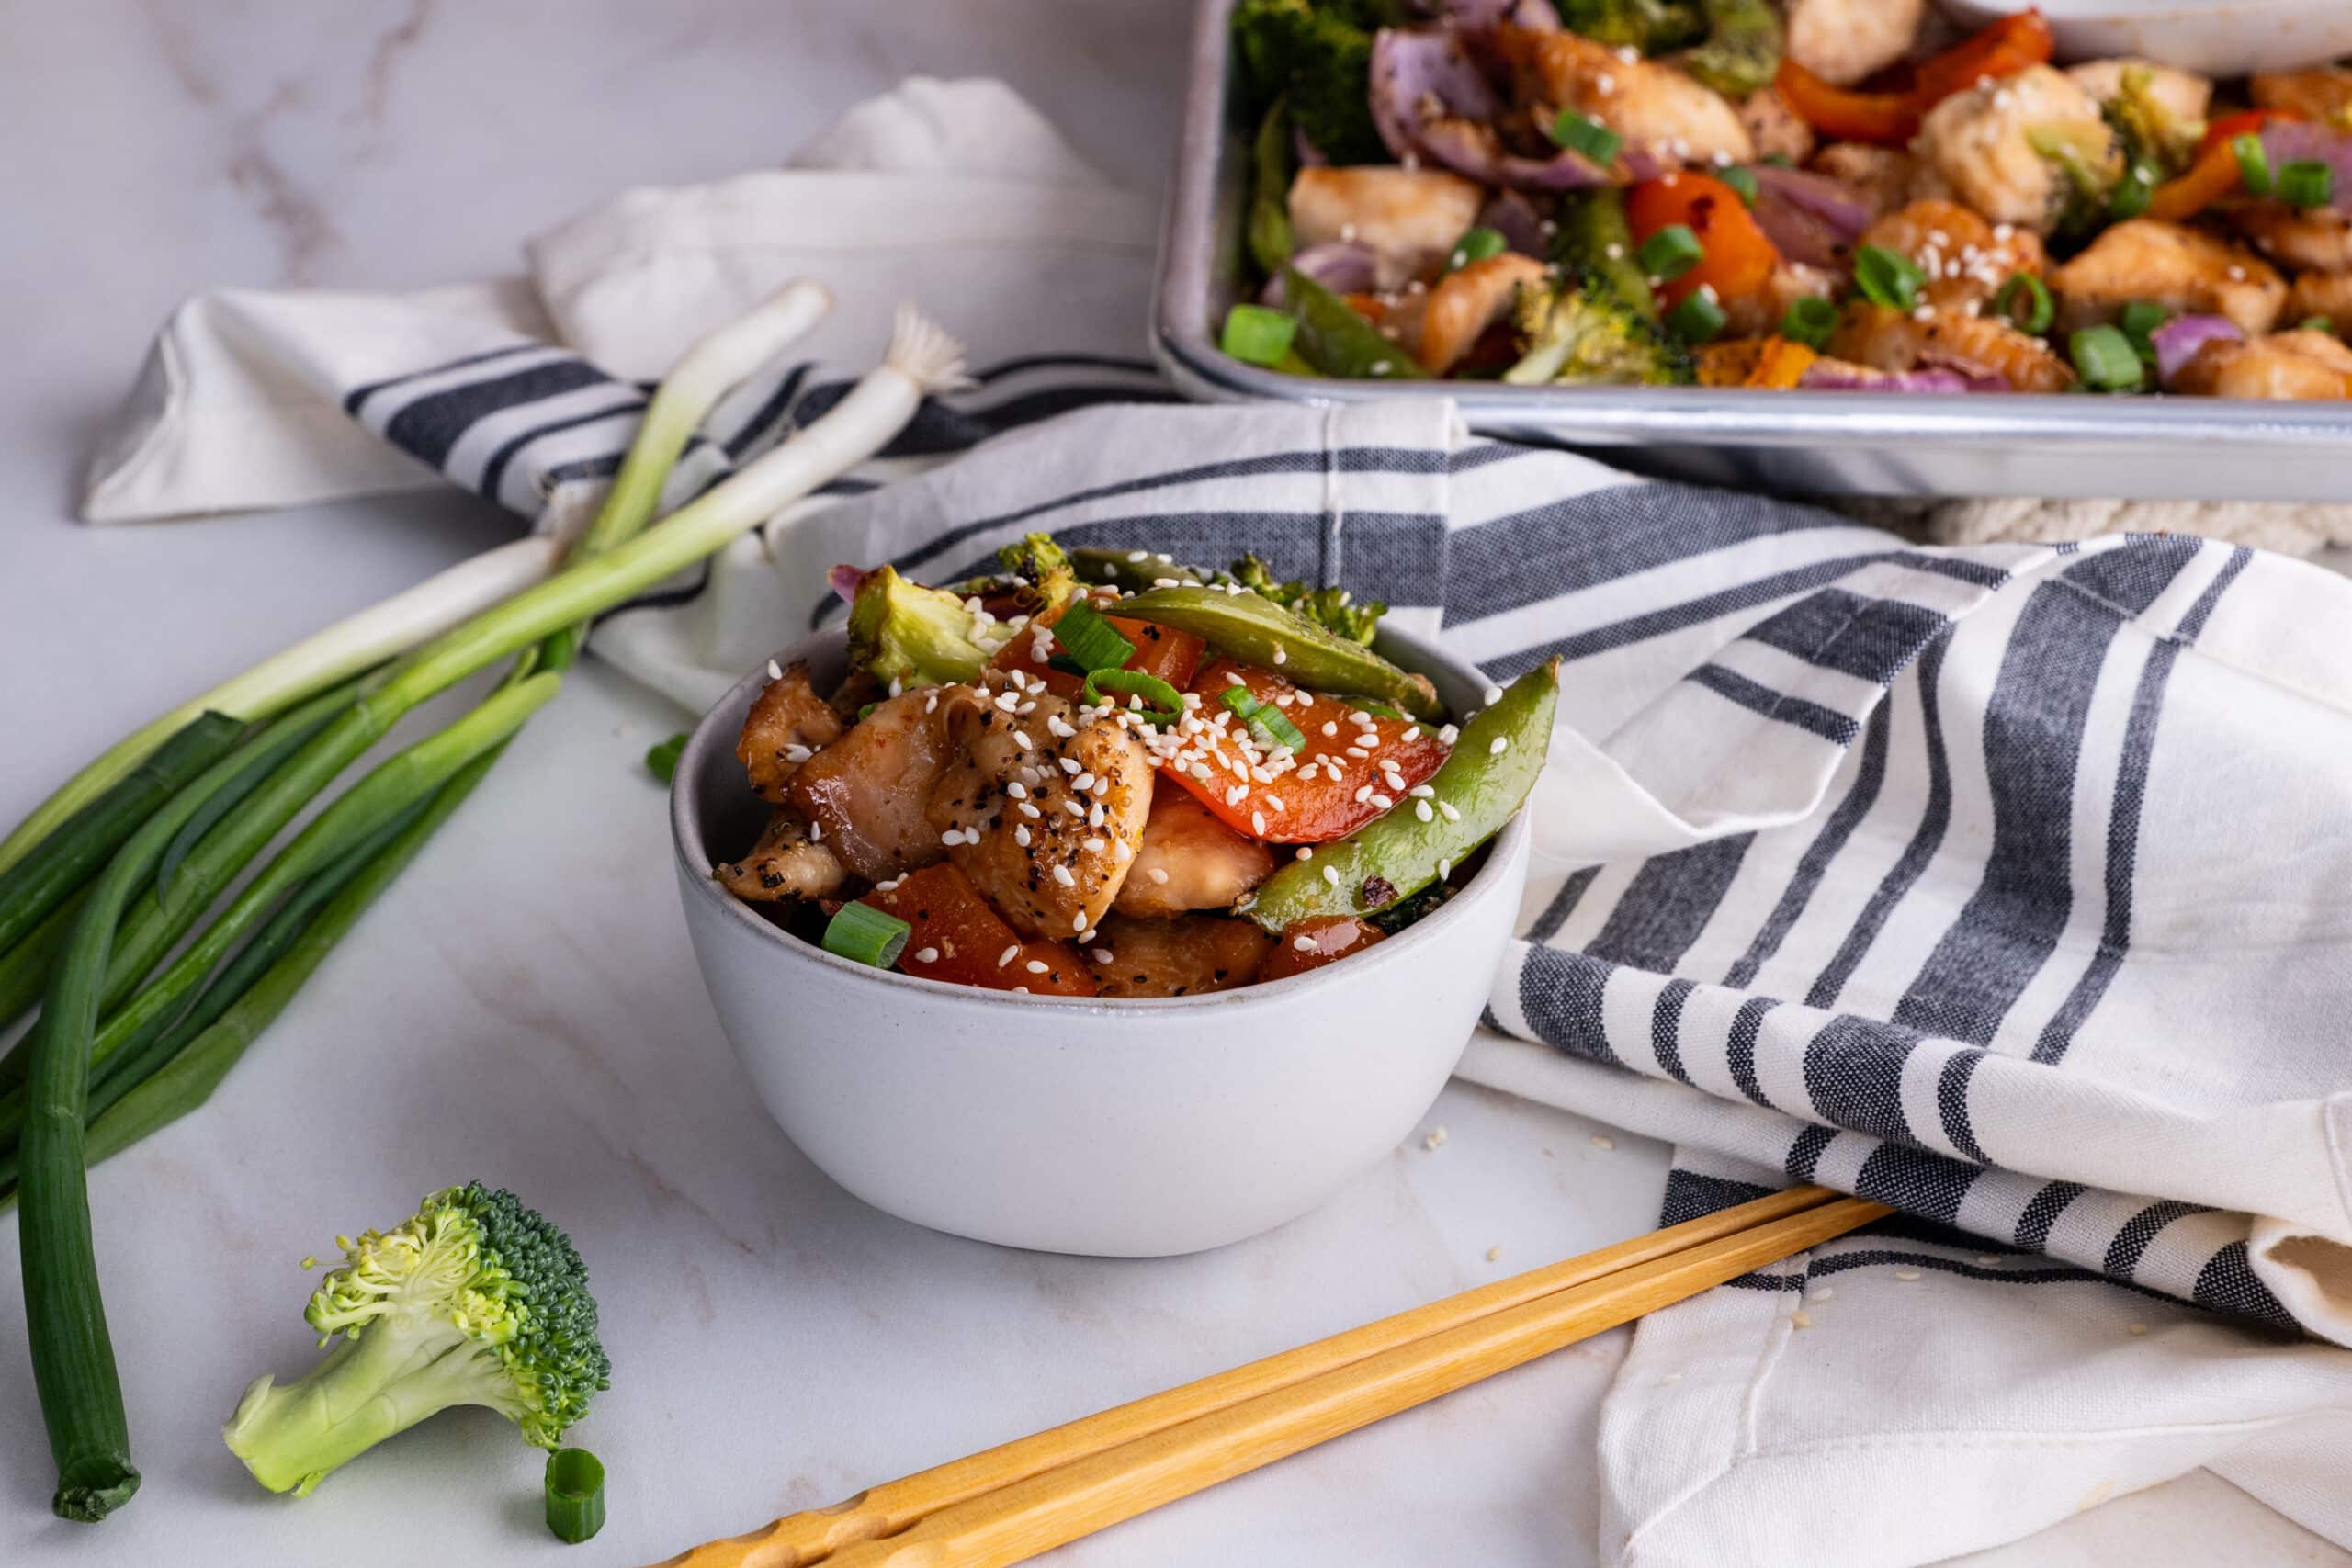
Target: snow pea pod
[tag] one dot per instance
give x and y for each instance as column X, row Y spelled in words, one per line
column 1258, row 631
column 1337, row 342
column 1487, row 777
column 1122, row 571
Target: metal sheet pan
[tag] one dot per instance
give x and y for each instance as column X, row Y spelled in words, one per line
column 1815, row 443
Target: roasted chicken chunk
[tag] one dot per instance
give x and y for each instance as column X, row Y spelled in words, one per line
column 1964, row 257
column 2296, row 366
column 1982, row 143
column 1408, row 218
column 1189, row 860
column 786, row 863
column 2183, row 269
column 1180, row 957
column 1659, row 109
column 1928, row 338
column 787, row 724
column 867, row 792
column 1841, row 41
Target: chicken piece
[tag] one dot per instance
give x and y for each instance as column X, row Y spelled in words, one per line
column 1775, row 128
column 2316, row 238
column 1964, row 257
column 2324, row 92
column 2325, row 294
column 1047, row 812
column 2289, row 366
column 1189, row 860
column 2185, row 270
column 1408, row 218
column 2183, row 94
column 1981, row 143
column 1659, row 109
column 784, row 865
column 1183, row 957
column 1463, row 304
column 787, row 724
column 1841, row 41
column 1882, row 176
column 1756, row 314
column 866, row 793
column 1882, row 339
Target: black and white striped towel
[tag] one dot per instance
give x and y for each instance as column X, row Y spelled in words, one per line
column 2005, row 885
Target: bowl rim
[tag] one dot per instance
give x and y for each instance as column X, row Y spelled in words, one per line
column 685, row 834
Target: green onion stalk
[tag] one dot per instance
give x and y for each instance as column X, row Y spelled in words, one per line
column 164, row 1052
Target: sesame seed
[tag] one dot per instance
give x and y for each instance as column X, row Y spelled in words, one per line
column 1603, row 1142
column 1157, row 875
column 1420, row 792
column 1306, row 851
column 1062, row 875
column 1083, row 781
column 1030, row 811
column 1436, row 1139
column 1094, row 818
column 1494, row 1254
column 1075, row 809
column 774, row 673
column 1104, row 955
column 1446, row 809
column 1449, row 735
column 1382, row 801
column 1444, row 869
column 2138, row 1329
column 1906, row 1275
column 953, row 836
column 797, row 752
column 1035, row 966
column 926, row 955
column 1257, row 823
column 1331, row 874
column 1070, row 766
column 1021, row 834
column 1330, row 726
column 1078, row 921
column 1501, row 744
column 1303, row 944
column 1020, row 738
column 1138, row 555
column 1800, row 1319
column 1421, row 809
column 1008, row 955
column 1820, row 1294
column 1121, row 851
column 1018, row 790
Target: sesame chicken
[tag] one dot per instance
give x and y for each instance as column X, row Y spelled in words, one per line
column 1408, row 218
column 1841, row 41
column 864, row 792
column 788, row 724
column 2186, row 270
column 1928, row 338
column 1466, row 302
column 2322, row 94
column 1964, row 258
column 1200, row 862
column 784, row 865
column 1776, row 130
column 2327, row 294
column 2315, row 239
column 1980, row 143
column 2298, row 367
column 1187, row 956
column 2183, row 94
column 1659, row 109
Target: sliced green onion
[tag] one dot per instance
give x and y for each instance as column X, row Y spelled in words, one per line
column 2316, row 324
column 1257, row 334
column 1580, row 133
column 1811, row 322
column 1887, row 277
column 1741, row 179
column 1268, row 723
column 2040, row 309
column 662, row 761
column 2131, row 193
column 1778, row 160
column 1163, row 702
column 575, row 1486
column 2306, row 182
column 1698, row 319
column 1477, row 243
column 1671, row 252
column 2254, row 164
column 866, row 935
column 1091, row 639
column 2140, row 319
column 2106, row 359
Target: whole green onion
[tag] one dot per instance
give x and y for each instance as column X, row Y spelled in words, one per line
column 864, row 934
column 575, row 1488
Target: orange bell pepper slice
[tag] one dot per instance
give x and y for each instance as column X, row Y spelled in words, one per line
column 1739, row 257
column 2006, row 48
column 2215, row 174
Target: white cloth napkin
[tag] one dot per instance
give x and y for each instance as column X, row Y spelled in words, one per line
column 1996, row 883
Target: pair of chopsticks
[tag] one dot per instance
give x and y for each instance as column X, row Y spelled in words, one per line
column 1010, row 1503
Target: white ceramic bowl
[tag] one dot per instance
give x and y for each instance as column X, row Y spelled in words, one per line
column 1124, row 1128
column 2218, row 37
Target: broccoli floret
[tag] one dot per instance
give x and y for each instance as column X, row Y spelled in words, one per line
column 918, row 637
column 2155, row 139
column 1585, row 334
column 1742, row 48
column 1044, row 566
column 1333, row 609
column 1653, row 27
column 476, row 1299
column 1320, row 53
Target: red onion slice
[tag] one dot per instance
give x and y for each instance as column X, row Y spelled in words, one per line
column 1809, row 218
column 1514, row 216
column 1836, row 376
column 2291, row 140
column 1343, row 267
column 845, row 581
column 1432, row 105
column 2178, row 341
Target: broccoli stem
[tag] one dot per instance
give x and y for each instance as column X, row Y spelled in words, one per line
column 397, row 1373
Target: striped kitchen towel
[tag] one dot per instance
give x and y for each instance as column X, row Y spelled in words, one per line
column 2003, row 884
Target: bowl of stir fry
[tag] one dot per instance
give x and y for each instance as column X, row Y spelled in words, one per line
column 1104, row 903
column 1605, row 220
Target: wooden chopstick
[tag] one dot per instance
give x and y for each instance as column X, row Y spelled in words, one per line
column 1647, row 1271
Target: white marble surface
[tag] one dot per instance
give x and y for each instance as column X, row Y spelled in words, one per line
column 523, row 1007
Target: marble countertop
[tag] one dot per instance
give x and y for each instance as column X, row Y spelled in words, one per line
column 523, row 1007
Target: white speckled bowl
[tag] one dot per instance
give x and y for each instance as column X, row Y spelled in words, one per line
column 2219, row 37
column 1122, row 1128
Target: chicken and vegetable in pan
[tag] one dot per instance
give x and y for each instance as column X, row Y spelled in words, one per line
column 1104, row 774
column 1824, row 194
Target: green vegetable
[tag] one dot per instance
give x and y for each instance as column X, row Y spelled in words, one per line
column 1741, row 179
column 1130, row 571
column 574, row 1491
column 1333, row 609
column 1257, row 334
column 1163, row 703
column 2254, row 164
column 264, row 761
column 2131, row 193
column 1698, row 319
column 1042, row 564
column 1584, row 135
column 1742, row 54
column 2306, row 182
column 1589, row 333
column 1477, row 242
column 2091, row 161
column 661, row 761
column 1811, row 322
column 2107, row 360
column 1273, row 160
column 2140, row 319
column 1654, row 26
column 475, row 1300
column 1267, row 722
column 1255, row 630
column 918, row 637
column 1485, row 779
column 864, row 934
column 2041, row 309
column 1887, row 277
column 2316, row 324
column 1594, row 242
column 1091, row 642
column 1337, row 341
column 1671, row 252
column 1317, row 55
column 2156, row 141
